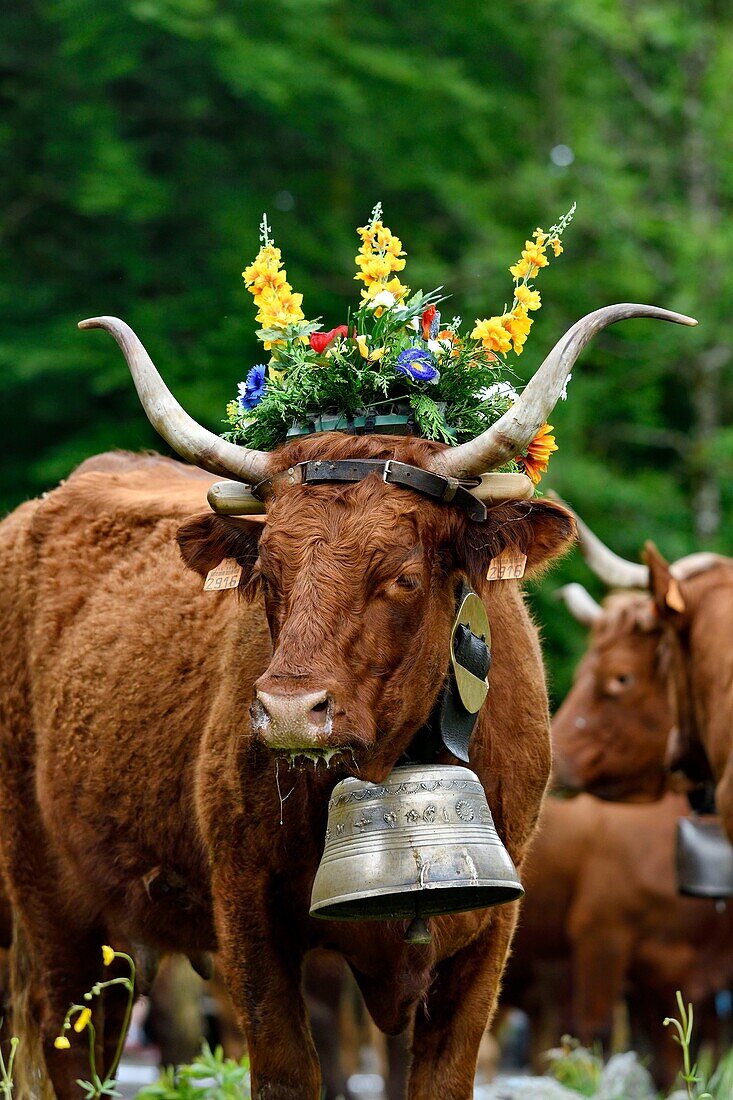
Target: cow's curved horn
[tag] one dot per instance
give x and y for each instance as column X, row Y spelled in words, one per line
column 188, row 438
column 616, row 572
column 613, row 570
column 516, row 429
column 580, row 603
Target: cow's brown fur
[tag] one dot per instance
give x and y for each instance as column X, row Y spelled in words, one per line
column 602, row 919
column 127, row 761
column 610, row 734
column 697, row 617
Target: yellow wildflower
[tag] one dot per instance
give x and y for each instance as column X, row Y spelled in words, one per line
column 555, row 245
column 492, row 334
column 380, row 255
column 533, row 257
column 376, row 355
column 108, row 953
column 61, row 1042
column 540, row 236
column 266, row 279
column 361, row 342
column 536, row 460
column 82, row 1019
column 517, row 324
column 530, row 299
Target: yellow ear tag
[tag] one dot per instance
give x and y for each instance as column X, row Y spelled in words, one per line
column 674, row 598
column 509, row 566
column 227, row 574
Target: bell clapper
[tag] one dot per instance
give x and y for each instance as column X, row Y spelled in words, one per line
column 418, row 930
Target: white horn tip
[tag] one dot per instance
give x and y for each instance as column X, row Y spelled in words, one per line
column 91, row 322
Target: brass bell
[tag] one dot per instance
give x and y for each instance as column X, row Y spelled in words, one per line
column 704, row 858
column 419, row 844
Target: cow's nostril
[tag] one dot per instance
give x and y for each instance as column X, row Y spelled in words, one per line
column 319, row 713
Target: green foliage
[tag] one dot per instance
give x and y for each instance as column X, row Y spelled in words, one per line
column 140, row 142
column 575, row 1067
column 211, row 1075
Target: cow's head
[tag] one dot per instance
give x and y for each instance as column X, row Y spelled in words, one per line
column 624, row 731
column 360, row 580
column 359, row 584
column 610, row 734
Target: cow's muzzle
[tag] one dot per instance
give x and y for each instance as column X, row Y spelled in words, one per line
column 293, row 720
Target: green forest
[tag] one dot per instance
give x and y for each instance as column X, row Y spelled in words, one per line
column 140, row 142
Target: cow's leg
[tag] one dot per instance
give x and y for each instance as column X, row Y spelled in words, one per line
column 261, row 962
column 49, row 973
column 458, row 1008
column 601, row 959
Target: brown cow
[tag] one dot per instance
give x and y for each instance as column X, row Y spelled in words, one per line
column 602, row 919
column 696, row 612
column 138, row 801
column 617, row 734
column 610, row 733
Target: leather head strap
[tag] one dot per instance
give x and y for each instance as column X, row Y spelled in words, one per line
column 445, row 490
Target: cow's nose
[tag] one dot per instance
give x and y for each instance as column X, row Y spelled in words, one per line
column 294, row 717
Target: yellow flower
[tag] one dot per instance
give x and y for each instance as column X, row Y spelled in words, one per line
column 492, row 334
column 537, row 457
column 540, row 236
column 82, row 1019
column 376, row 355
column 61, row 1042
column 108, row 952
column 361, row 342
column 533, row 257
column 530, row 299
column 266, row 280
column 380, row 255
column 517, row 324
column 556, row 246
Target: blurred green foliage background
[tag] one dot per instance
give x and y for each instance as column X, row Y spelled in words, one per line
column 140, row 142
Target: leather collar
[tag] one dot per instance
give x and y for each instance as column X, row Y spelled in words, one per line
column 445, row 490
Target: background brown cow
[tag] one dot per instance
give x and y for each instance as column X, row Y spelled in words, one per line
column 602, row 922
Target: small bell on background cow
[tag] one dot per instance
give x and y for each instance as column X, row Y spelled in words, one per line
column 419, row 844
column 703, row 858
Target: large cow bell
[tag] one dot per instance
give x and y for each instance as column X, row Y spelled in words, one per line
column 704, row 858
column 419, row 844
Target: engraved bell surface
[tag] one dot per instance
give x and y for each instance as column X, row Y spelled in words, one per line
column 422, row 842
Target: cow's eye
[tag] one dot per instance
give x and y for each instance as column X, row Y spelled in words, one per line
column 406, row 582
column 619, row 683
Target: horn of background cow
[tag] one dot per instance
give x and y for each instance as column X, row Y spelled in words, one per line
column 516, row 429
column 616, row 572
column 580, row 603
column 187, row 438
column 613, row 570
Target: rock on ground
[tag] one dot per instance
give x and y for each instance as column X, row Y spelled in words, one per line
column 625, row 1078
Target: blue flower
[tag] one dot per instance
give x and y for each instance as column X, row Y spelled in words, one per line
column 252, row 390
column 418, row 364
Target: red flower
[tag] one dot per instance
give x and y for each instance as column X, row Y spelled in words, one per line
column 319, row 341
column 427, row 320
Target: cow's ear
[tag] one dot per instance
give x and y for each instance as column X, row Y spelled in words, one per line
column 540, row 529
column 206, row 540
column 665, row 589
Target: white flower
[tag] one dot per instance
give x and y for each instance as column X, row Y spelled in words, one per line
column 499, row 389
column 414, row 324
column 438, row 346
column 385, row 299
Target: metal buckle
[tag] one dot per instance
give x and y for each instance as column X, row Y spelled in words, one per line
column 387, row 470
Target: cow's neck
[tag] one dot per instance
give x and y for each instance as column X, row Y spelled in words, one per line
column 710, row 657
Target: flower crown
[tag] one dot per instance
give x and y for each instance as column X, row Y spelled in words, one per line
column 393, row 366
